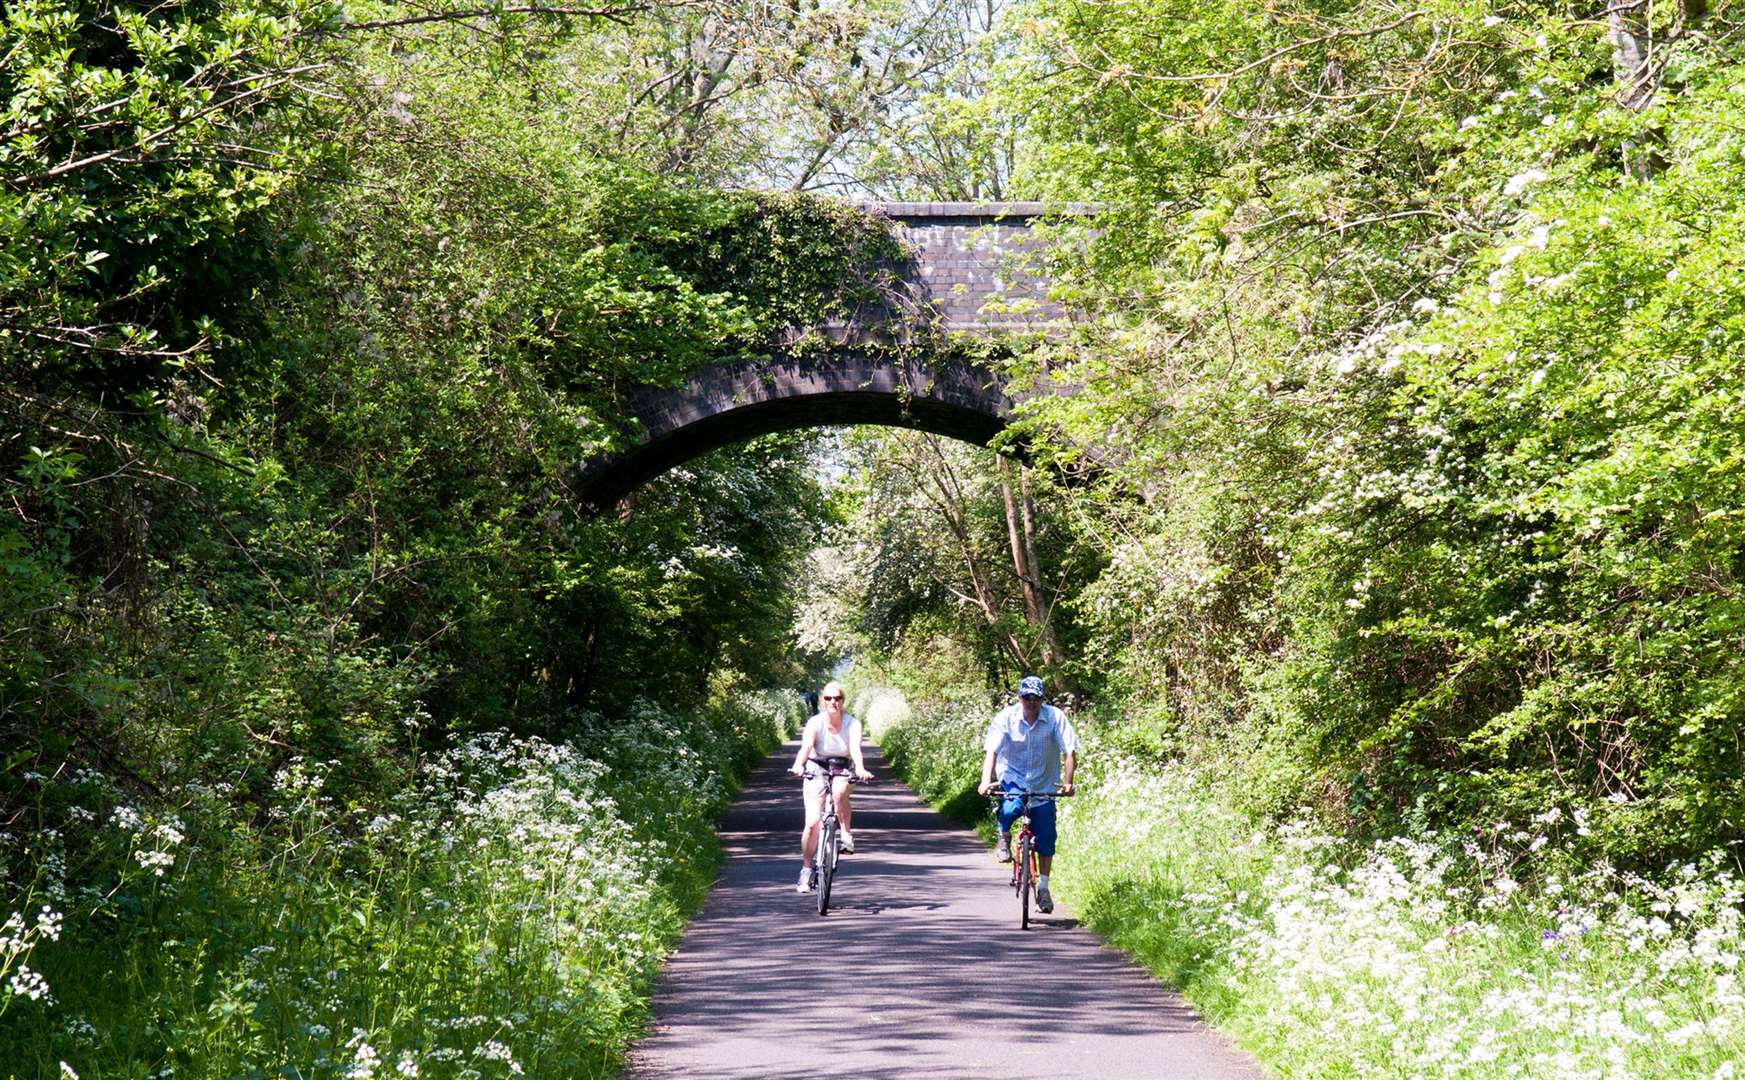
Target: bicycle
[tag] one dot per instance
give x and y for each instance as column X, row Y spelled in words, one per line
column 824, row 860
column 1024, row 865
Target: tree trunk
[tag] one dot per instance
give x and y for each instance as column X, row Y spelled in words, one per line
column 950, row 504
column 1044, row 605
column 1021, row 532
column 1632, row 52
column 1637, row 63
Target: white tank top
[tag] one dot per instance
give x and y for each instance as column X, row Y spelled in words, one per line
column 827, row 743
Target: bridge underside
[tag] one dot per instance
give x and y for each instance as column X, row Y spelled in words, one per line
column 731, row 403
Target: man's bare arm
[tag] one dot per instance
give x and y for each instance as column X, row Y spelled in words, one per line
column 987, row 783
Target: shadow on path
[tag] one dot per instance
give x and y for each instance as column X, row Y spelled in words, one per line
column 919, row 970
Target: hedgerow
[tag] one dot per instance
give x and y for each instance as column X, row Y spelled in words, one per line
column 1415, row 955
column 496, row 908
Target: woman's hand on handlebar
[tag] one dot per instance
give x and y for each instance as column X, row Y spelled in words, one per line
column 797, row 768
column 862, row 774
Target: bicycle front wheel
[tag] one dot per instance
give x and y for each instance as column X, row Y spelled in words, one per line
column 1026, row 881
column 826, row 864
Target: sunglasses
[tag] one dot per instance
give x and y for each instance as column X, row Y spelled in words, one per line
column 832, row 697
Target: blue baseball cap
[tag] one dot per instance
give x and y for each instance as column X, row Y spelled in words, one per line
column 1030, row 686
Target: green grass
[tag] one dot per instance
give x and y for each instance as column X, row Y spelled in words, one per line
column 502, row 913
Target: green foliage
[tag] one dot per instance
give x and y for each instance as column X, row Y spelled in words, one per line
column 497, row 908
column 929, row 581
column 937, row 748
column 138, row 151
column 1412, row 365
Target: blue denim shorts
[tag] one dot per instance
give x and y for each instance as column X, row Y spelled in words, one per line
column 1041, row 818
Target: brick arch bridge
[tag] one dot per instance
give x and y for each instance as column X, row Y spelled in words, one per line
column 965, row 257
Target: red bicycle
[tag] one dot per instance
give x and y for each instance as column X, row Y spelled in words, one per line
column 1024, row 867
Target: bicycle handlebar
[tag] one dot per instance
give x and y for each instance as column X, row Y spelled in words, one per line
column 845, row 773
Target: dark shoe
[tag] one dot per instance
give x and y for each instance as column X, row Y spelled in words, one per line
column 1044, row 902
column 1003, row 850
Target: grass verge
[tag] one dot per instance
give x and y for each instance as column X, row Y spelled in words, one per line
column 501, row 912
column 1412, row 957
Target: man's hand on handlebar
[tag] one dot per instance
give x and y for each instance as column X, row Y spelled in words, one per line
column 986, row 787
column 1066, row 787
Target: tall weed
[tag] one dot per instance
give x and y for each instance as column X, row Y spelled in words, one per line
column 500, row 912
column 1494, row 954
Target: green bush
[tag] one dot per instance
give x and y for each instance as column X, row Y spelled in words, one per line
column 1409, row 956
column 494, row 909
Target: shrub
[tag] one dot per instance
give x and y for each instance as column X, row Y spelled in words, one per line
column 500, row 910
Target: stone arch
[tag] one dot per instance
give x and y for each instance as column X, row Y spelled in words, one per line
column 962, row 280
column 730, row 403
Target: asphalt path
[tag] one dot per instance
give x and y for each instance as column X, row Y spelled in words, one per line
column 919, row 971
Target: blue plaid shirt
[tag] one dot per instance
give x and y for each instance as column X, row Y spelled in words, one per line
column 1028, row 755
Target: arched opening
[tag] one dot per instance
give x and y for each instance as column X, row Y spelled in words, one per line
column 734, row 402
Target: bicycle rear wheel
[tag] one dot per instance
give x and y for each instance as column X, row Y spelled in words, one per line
column 826, row 863
column 1025, row 882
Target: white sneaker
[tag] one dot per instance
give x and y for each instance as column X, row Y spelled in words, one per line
column 805, row 884
column 846, row 842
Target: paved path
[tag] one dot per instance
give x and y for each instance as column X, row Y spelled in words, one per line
column 916, row 973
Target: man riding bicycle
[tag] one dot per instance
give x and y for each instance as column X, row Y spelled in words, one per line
column 1032, row 747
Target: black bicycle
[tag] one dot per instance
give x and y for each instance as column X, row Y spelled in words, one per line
column 829, row 852
column 1024, row 867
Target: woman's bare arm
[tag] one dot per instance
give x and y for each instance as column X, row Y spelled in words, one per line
column 799, row 765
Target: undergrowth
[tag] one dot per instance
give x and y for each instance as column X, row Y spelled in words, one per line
column 500, row 911
column 1495, row 954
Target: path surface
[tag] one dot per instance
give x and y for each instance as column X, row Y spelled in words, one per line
column 914, row 974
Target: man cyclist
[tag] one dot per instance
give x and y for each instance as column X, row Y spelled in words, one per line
column 1032, row 747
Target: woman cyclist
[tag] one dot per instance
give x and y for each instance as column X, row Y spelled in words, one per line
column 832, row 738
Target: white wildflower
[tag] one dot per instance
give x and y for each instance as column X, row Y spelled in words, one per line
column 1521, row 181
column 364, row 1059
column 48, row 923
column 492, row 1050
column 155, row 861
column 26, row 983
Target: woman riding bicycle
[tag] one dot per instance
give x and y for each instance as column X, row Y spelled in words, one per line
column 831, row 740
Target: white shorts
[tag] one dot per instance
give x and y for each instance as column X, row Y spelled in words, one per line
column 815, row 785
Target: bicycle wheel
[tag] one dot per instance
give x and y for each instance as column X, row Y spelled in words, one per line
column 826, row 863
column 1025, row 882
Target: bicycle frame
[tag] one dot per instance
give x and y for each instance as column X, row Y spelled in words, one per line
column 828, row 852
column 1025, row 861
